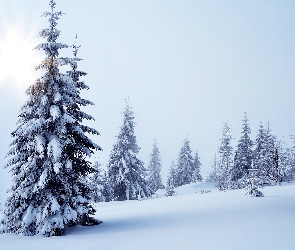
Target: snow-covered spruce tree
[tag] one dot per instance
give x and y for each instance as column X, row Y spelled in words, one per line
column 212, row 175
column 154, row 168
column 77, row 131
column 260, row 150
column 274, row 172
column 170, row 182
column 224, row 170
column 243, row 155
column 185, row 164
column 48, row 155
column 126, row 172
column 288, row 161
column 101, row 191
column 196, row 174
column 266, row 156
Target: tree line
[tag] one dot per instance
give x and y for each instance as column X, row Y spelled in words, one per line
column 266, row 159
column 53, row 182
column 126, row 178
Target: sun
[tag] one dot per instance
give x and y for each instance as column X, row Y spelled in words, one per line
column 17, row 59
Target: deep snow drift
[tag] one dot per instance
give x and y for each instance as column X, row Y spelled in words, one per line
column 190, row 220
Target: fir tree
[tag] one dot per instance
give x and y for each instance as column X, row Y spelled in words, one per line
column 48, row 155
column 170, row 182
column 266, row 156
column 243, row 155
column 260, row 150
column 282, row 161
column 273, row 168
column 196, row 174
column 154, row 168
column 224, row 170
column 126, row 172
column 185, row 164
column 288, row 161
column 99, row 184
column 212, row 177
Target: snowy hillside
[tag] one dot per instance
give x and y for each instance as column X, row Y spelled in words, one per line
column 190, row 220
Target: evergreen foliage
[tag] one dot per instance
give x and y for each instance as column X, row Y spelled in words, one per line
column 185, row 165
column 273, row 163
column 126, row 172
column 196, row 174
column 244, row 154
column 283, row 162
column 224, row 170
column 154, row 168
column 212, row 177
column 266, row 156
column 288, row 162
column 48, row 155
column 171, row 182
column 253, row 183
column 99, row 184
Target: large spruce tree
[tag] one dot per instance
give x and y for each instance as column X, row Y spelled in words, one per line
column 126, row 172
column 48, row 155
column 154, row 168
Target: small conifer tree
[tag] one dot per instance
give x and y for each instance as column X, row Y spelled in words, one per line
column 99, row 185
column 196, row 174
column 154, row 168
column 170, row 182
column 185, row 164
column 224, row 170
column 266, row 156
column 126, row 172
column 212, row 177
column 244, row 154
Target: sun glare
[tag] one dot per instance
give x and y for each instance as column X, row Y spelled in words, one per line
column 17, row 59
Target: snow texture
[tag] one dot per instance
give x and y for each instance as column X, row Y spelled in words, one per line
column 190, row 220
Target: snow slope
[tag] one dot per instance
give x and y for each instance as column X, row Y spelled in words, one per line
column 190, row 220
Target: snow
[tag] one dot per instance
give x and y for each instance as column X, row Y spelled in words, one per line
column 40, row 143
column 190, row 220
column 54, row 112
column 54, row 147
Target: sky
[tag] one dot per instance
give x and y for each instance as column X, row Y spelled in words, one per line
column 186, row 66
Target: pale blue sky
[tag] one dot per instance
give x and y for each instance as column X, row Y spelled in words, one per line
column 185, row 65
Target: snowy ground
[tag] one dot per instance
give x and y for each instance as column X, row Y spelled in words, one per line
column 190, row 220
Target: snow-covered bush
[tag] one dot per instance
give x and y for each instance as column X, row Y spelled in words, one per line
column 253, row 183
